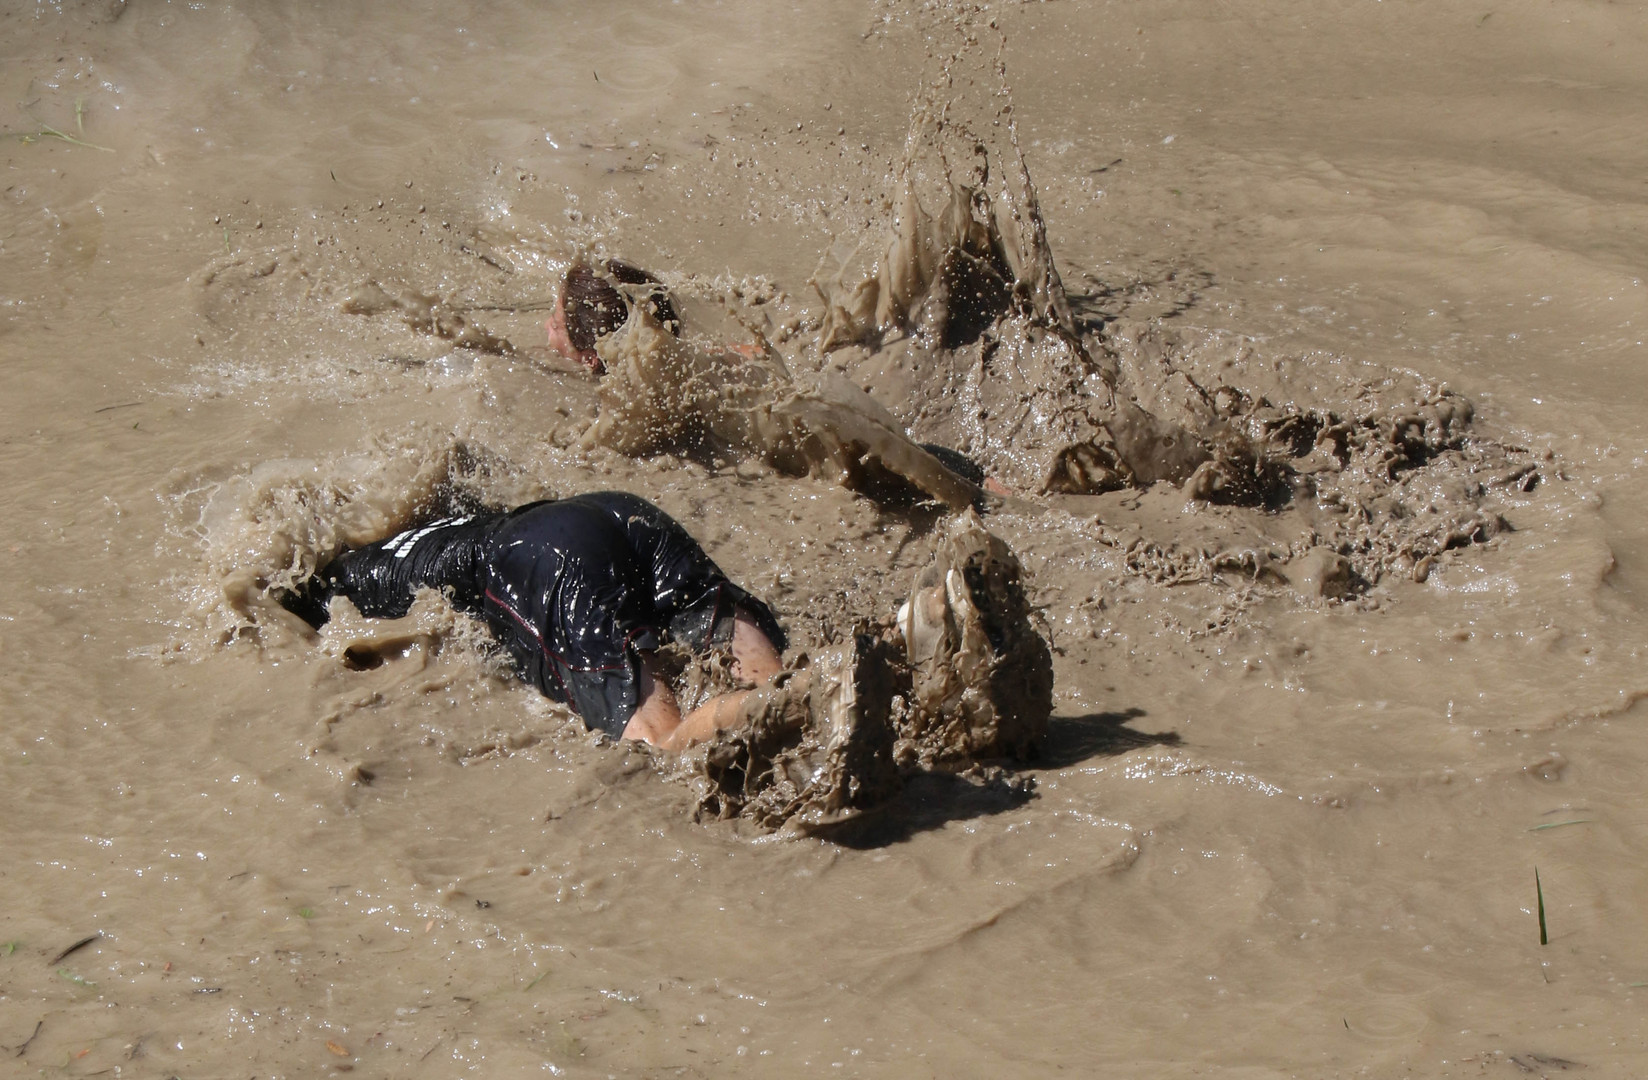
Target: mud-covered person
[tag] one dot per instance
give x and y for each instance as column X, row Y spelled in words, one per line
column 580, row 592
column 591, row 305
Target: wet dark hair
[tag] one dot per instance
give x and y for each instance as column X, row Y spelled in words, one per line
column 595, row 307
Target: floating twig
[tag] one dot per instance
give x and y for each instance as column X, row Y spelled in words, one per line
column 38, row 1024
column 76, row 947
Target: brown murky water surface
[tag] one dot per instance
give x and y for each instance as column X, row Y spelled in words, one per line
column 1274, row 831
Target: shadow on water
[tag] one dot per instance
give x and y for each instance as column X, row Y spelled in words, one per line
column 931, row 800
column 1074, row 739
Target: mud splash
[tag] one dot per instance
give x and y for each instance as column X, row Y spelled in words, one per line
column 261, row 533
column 663, row 394
column 959, row 679
column 1329, row 481
column 962, row 319
column 813, row 752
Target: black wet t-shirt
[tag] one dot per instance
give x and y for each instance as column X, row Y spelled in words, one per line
column 572, row 588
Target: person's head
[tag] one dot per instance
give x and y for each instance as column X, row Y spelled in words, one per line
column 592, row 306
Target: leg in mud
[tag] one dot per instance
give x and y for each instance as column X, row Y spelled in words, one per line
column 381, row 579
column 981, row 676
column 813, row 751
column 854, row 442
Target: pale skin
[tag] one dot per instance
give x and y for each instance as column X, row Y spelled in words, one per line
column 561, row 343
column 658, row 718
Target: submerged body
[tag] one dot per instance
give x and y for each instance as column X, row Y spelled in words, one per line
column 660, row 392
column 580, row 592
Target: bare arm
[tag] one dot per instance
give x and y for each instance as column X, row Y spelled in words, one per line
column 658, row 715
column 658, row 719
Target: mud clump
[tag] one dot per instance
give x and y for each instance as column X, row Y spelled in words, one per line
column 981, row 676
column 961, row 679
column 812, row 752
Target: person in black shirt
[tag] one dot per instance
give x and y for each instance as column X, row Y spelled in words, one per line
column 580, row 592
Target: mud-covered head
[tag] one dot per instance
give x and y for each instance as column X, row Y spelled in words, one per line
column 593, row 305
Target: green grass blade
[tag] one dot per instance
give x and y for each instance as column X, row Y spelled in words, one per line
column 47, row 131
column 1539, row 893
column 1559, row 824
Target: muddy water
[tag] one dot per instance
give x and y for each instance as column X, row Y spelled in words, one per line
column 1270, row 832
